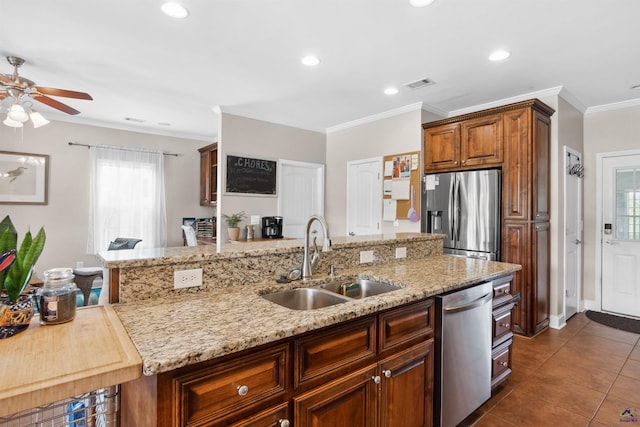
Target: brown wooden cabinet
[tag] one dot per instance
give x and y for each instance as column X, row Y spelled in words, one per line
column 209, row 175
column 502, row 341
column 515, row 138
column 471, row 143
column 341, row 375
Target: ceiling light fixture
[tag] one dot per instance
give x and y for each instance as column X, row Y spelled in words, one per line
column 174, row 10
column 12, row 123
column 18, row 114
column 420, row 3
column 499, row 55
column 310, row 61
column 390, row 91
column 635, row 87
column 38, row 119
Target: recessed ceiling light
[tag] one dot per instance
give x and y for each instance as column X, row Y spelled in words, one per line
column 390, row 91
column 310, row 61
column 420, row 3
column 499, row 55
column 175, row 10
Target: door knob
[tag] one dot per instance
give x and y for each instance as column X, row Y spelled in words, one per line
column 387, row 373
column 376, row 379
column 577, row 242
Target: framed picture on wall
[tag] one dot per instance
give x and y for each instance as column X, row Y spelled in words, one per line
column 23, row 178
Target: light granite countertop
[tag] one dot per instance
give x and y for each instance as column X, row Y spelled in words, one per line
column 159, row 256
column 193, row 328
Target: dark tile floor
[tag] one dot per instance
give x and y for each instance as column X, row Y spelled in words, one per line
column 585, row 374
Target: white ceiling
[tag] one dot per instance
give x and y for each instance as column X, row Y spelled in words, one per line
column 244, row 56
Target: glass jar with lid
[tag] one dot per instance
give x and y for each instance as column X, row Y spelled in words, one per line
column 57, row 297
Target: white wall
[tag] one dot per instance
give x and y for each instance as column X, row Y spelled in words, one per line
column 65, row 217
column 391, row 135
column 604, row 132
column 567, row 129
column 264, row 140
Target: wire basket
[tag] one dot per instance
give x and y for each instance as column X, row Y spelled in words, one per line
column 99, row 408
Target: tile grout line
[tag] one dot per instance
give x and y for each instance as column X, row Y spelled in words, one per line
column 606, row 394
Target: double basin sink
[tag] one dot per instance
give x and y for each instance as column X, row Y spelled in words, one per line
column 327, row 294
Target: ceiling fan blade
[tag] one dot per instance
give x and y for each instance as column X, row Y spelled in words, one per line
column 5, row 79
column 56, row 104
column 63, row 92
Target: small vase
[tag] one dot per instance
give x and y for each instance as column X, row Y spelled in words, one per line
column 234, row 233
column 15, row 316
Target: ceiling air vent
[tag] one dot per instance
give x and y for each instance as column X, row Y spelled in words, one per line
column 420, row 83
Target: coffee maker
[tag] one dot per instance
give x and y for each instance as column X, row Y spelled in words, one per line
column 271, row 227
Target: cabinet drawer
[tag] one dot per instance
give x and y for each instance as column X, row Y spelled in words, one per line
column 502, row 291
column 277, row 416
column 328, row 354
column 502, row 323
column 405, row 326
column 501, row 363
column 218, row 391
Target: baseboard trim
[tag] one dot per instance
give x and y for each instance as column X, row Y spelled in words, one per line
column 557, row 322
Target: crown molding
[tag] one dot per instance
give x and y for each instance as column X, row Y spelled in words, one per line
column 613, row 106
column 385, row 114
column 554, row 91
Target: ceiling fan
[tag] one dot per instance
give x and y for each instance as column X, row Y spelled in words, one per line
column 21, row 89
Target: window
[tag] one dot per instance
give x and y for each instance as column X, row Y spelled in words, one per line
column 628, row 204
column 127, row 197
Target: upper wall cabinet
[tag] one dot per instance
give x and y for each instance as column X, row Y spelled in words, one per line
column 470, row 143
column 209, row 175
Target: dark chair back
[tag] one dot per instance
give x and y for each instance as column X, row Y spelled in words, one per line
column 123, row 243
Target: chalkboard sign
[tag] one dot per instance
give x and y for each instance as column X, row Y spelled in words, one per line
column 250, row 176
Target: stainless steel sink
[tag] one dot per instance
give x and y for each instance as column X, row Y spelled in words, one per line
column 328, row 294
column 359, row 288
column 305, row 298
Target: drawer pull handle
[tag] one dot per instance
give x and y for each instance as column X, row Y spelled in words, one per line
column 376, row 379
column 387, row 373
column 504, row 291
column 284, row 423
column 243, row 390
column 505, row 364
column 505, row 325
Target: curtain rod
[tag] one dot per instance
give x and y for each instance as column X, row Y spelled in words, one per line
column 119, row 148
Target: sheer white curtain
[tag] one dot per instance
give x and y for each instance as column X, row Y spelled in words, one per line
column 127, row 197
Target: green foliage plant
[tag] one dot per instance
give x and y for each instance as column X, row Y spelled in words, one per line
column 234, row 219
column 16, row 278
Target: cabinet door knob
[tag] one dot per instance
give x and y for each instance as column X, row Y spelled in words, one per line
column 505, row 325
column 284, row 423
column 505, row 364
column 464, row 161
column 387, row 373
column 504, row 291
column 376, row 379
column 243, row 390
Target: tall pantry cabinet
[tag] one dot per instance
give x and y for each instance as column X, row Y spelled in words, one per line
column 515, row 138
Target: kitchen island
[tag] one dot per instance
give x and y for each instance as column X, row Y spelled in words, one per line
column 223, row 355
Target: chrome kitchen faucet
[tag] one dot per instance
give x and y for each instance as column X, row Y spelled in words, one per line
column 308, row 265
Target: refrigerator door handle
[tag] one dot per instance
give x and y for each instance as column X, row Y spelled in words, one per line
column 451, row 207
column 456, row 209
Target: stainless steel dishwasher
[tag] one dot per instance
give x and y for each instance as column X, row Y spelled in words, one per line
column 463, row 353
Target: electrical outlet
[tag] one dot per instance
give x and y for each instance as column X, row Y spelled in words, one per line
column 187, row 278
column 396, row 223
column 366, row 256
column 255, row 219
column 401, row 252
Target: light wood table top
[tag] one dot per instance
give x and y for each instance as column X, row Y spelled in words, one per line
column 45, row 364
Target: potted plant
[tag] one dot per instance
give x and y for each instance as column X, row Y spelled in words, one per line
column 16, row 309
column 232, row 224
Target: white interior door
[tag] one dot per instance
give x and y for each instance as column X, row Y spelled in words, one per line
column 621, row 234
column 573, row 232
column 364, row 196
column 300, row 195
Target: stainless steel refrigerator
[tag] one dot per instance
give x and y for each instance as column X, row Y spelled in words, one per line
column 466, row 207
